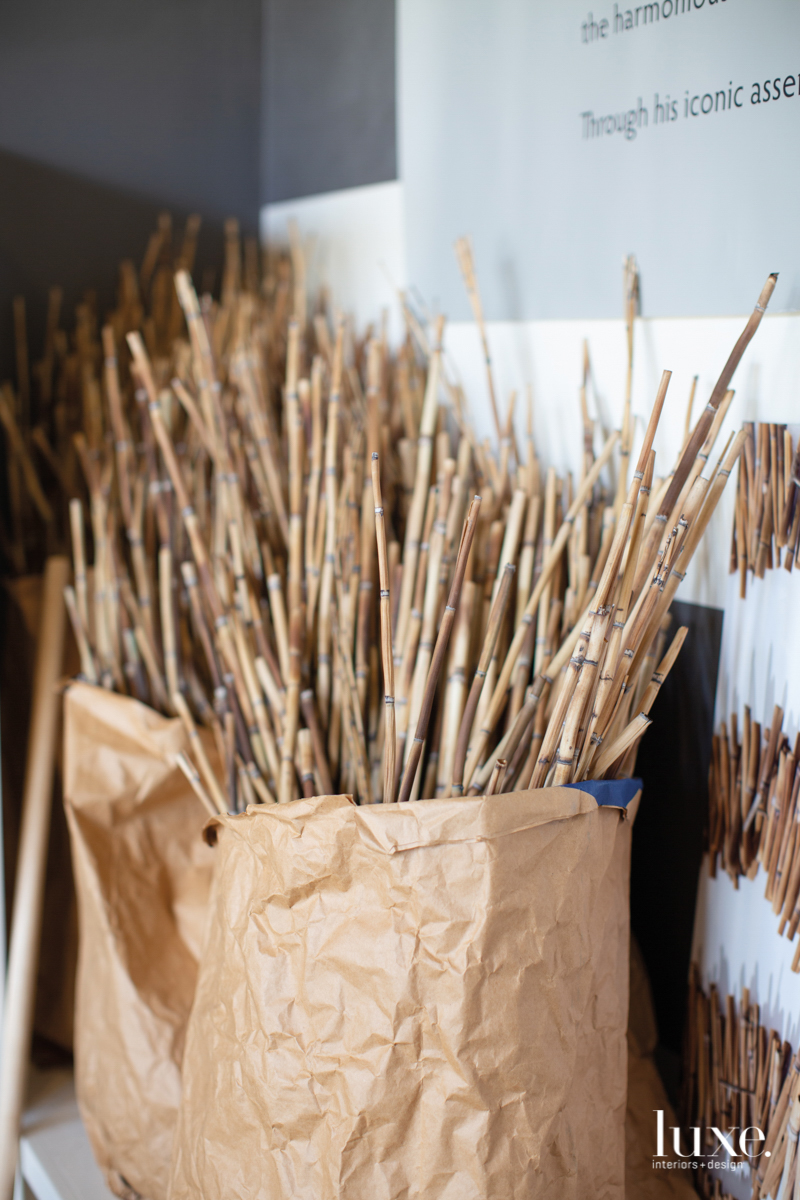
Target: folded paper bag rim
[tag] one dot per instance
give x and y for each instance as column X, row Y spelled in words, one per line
column 414, row 824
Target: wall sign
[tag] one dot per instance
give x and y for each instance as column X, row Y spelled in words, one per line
column 563, row 137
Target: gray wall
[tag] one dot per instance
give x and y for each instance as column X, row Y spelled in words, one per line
column 329, row 96
column 110, row 112
column 158, row 98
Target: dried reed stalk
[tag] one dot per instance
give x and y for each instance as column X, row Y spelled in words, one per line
column 227, row 452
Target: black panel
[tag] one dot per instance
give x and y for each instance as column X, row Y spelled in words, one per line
column 668, row 834
column 329, row 96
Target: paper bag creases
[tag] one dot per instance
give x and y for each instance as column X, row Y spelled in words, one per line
column 143, row 874
column 423, row 1000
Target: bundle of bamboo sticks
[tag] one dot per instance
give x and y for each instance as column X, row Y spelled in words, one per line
column 767, row 513
column 60, row 392
column 298, row 542
column 754, row 816
column 738, row 1076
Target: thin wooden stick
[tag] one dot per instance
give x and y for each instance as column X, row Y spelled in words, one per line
column 188, row 770
column 306, row 753
column 317, row 741
column 326, row 585
column 26, row 918
column 88, row 668
column 198, row 749
column 495, row 785
column 467, row 265
column 20, row 453
column 168, row 619
column 490, row 640
column 286, row 789
column 387, row 651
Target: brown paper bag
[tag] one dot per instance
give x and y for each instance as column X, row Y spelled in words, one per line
column 142, row 874
column 423, row 1000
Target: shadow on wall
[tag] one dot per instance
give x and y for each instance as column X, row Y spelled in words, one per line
column 57, row 228
column 668, row 836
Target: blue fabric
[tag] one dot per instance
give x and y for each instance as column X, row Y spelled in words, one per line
column 616, row 792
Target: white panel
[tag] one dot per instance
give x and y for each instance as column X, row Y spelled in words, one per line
column 736, row 944
column 736, row 941
column 760, row 659
column 355, row 243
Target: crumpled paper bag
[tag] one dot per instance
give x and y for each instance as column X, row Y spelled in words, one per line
column 143, row 874
column 422, row 1000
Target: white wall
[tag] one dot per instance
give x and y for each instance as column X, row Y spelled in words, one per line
column 736, row 940
column 355, row 243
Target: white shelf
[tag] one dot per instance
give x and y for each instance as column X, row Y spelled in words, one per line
column 56, row 1161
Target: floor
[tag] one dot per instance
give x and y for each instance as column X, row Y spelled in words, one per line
column 56, row 1160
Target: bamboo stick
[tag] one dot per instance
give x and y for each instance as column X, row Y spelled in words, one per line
column 326, row 586
column 188, row 770
column 631, row 303
column 20, row 452
column 317, row 741
column 466, row 263
column 196, row 744
column 387, row 651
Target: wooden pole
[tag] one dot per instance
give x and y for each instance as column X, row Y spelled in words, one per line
column 31, row 862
